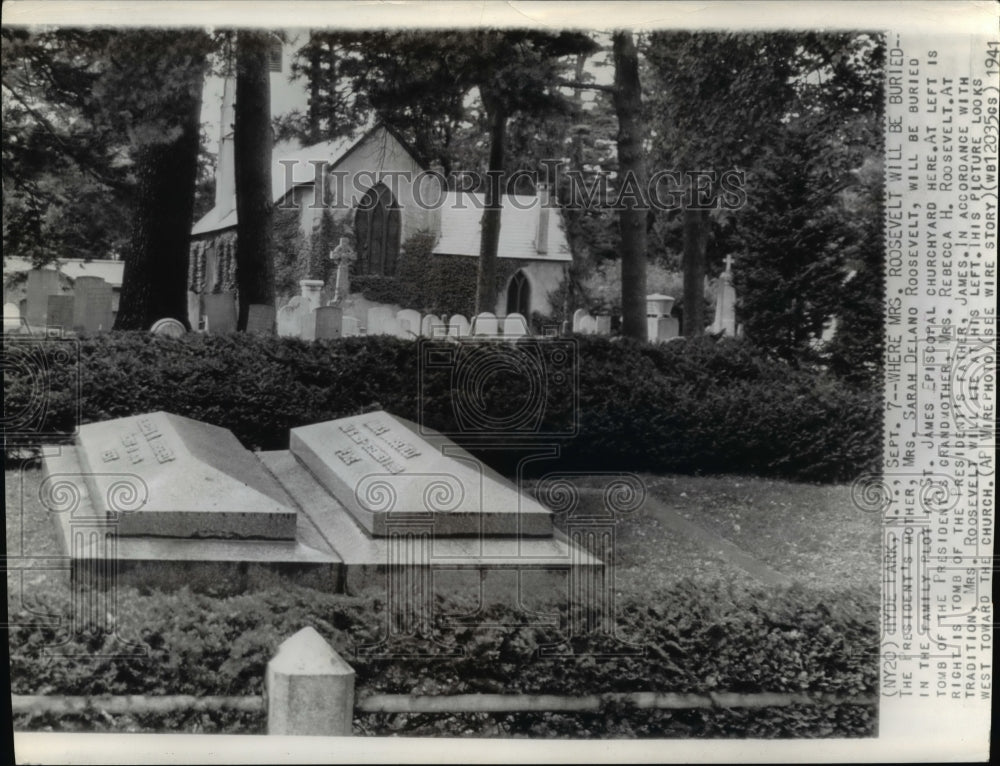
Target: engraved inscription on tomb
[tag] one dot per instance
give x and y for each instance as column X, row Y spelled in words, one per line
column 376, row 451
column 133, row 442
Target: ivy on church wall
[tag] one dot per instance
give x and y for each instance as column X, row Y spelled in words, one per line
column 289, row 244
column 217, row 273
column 297, row 257
column 432, row 284
column 326, row 237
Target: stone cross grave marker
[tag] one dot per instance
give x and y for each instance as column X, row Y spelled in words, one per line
column 343, row 255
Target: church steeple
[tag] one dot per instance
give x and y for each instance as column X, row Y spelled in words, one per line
column 225, row 168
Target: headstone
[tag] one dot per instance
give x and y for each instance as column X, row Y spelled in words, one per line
column 289, row 317
column 381, row 321
column 194, row 310
column 578, row 315
column 604, row 324
column 588, row 325
column 380, row 467
column 220, row 313
column 515, row 326
column 408, row 322
column 60, row 311
column 329, row 322
column 310, row 301
column 168, row 326
column 310, row 290
column 662, row 328
column 261, row 319
column 11, row 317
column 193, row 480
column 310, row 689
column 350, row 327
column 430, row 326
column 485, row 324
column 41, row 284
column 458, row 326
column 91, row 304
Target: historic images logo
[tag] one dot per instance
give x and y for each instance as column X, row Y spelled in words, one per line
column 664, row 189
column 32, row 414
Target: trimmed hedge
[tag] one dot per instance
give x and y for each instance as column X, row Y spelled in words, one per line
column 689, row 638
column 686, row 406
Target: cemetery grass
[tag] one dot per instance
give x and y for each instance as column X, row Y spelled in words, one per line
column 811, row 533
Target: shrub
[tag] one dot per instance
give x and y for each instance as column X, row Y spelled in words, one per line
column 686, row 406
column 685, row 638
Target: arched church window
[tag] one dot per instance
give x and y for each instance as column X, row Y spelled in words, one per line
column 519, row 294
column 376, row 232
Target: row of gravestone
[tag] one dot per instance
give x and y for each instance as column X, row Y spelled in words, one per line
column 411, row 324
column 300, row 318
column 89, row 308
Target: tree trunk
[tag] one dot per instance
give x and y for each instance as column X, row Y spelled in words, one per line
column 315, row 96
column 631, row 216
column 154, row 279
column 252, row 145
column 695, row 235
column 486, row 283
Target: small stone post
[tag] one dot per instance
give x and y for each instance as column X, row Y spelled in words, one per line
column 309, row 688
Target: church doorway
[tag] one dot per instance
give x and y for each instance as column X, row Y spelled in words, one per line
column 519, row 294
column 376, row 232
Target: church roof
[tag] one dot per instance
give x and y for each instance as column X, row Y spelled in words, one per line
column 282, row 180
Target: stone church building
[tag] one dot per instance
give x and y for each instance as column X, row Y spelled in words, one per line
column 376, row 186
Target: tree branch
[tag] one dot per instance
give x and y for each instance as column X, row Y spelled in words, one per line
column 70, row 152
column 584, row 85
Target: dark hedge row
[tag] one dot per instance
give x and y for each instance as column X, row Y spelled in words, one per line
column 687, row 406
column 684, row 639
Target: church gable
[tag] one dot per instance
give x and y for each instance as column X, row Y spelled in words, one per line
column 377, row 190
